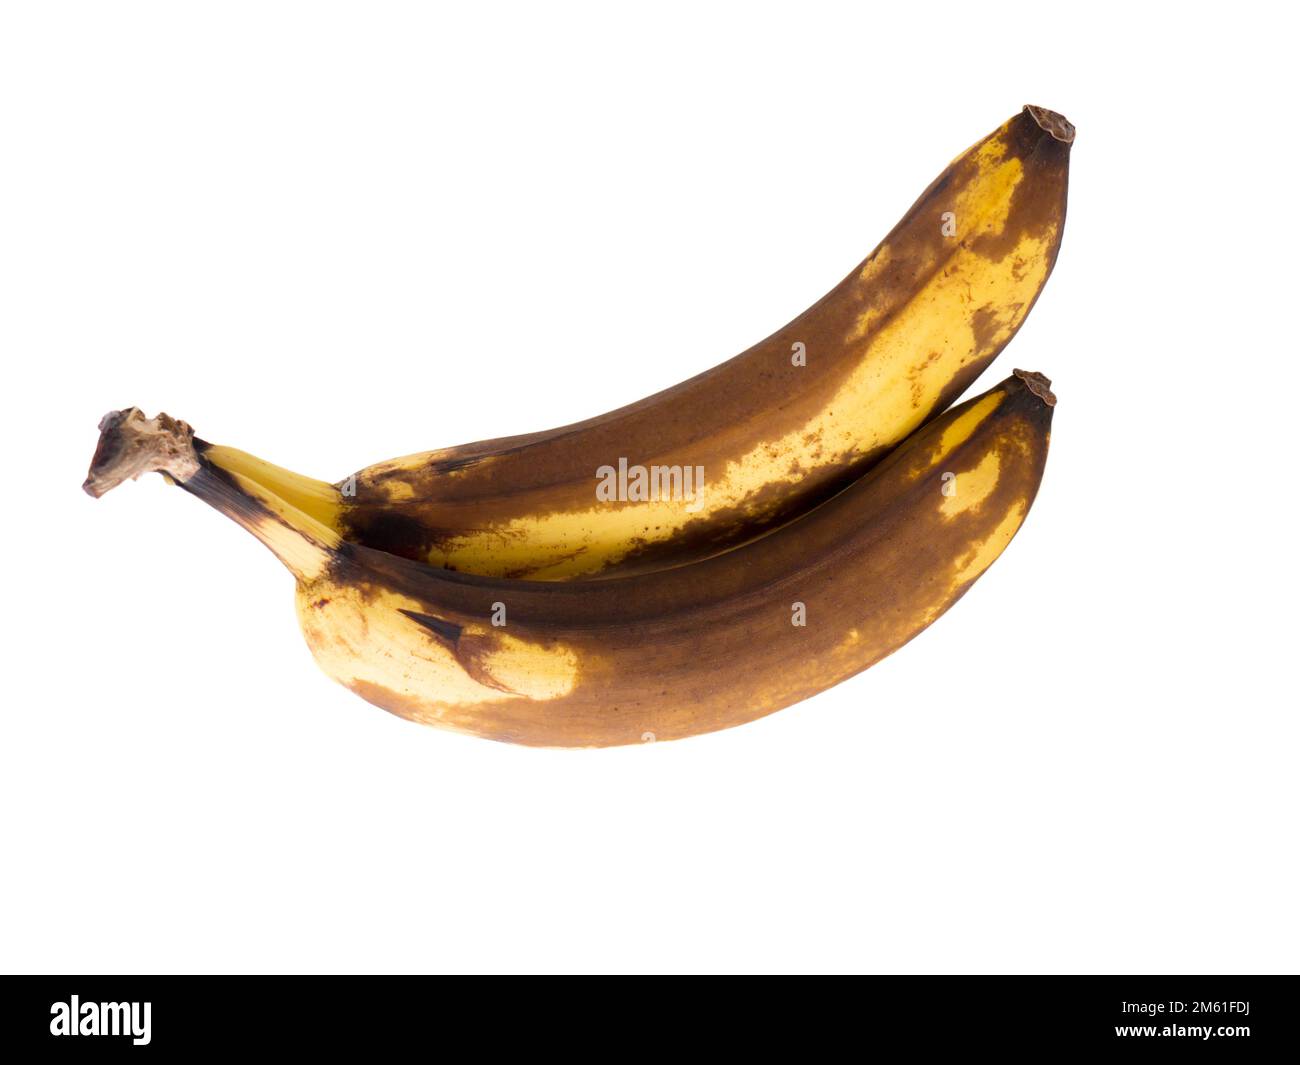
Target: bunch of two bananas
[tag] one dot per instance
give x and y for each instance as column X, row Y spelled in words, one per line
column 490, row 589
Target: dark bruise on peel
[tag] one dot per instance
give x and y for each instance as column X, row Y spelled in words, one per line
column 447, row 631
column 387, row 529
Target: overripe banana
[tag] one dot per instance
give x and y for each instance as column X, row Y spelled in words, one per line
column 754, row 442
column 653, row 656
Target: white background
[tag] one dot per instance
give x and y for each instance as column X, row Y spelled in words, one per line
column 334, row 233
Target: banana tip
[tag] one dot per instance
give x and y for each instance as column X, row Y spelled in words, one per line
column 1051, row 122
column 1038, row 384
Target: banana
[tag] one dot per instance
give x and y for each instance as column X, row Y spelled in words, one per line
column 723, row 457
column 660, row 655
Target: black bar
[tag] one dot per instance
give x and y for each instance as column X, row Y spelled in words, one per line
column 1246, row 1015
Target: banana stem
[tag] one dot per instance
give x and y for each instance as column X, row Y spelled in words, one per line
column 321, row 500
column 131, row 444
